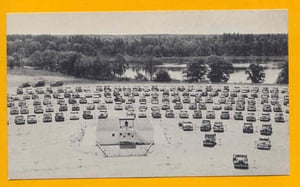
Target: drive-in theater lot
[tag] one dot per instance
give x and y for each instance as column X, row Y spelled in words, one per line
column 68, row 149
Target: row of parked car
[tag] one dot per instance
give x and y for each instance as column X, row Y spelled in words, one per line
column 202, row 99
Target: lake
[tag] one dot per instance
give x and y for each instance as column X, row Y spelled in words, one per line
column 271, row 69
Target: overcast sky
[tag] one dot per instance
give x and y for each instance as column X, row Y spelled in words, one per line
column 161, row 22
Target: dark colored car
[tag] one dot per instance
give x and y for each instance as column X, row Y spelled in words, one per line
column 87, row 114
column 205, row 125
column 248, row 128
column 209, row 140
column 59, row 117
column 240, row 161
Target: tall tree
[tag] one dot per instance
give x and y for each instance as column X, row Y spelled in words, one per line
column 120, row 65
column 283, row 77
column 255, row 73
column 195, row 71
column 162, row 76
column 149, row 66
column 220, row 70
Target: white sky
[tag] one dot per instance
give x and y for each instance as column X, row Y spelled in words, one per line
column 159, row 22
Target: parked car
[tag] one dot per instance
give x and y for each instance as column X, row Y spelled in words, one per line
column 87, row 114
column 228, row 106
column 165, row 106
column 72, row 100
column 74, row 115
column 267, row 108
column 131, row 113
column 170, row 114
column 31, row 119
column 251, row 108
column 24, row 110
column 142, row 115
column 56, row 84
column 47, row 117
column 118, row 106
column 266, row 129
column 210, row 115
column 19, row 120
column 217, row 106
column 82, row 100
column 38, row 109
column 218, row 126
column 63, row 107
column 209, row 140
column 279, row 117
column 193, row 106
column 187, row 126
column 49, row 108
column 205, row 125
column 264, row 143
column 14, row 111
column 238, row 116
column 178, row 106
column 156, row 114
column 240, row 161
column 248, row 128
column 251, row 117
column 265, row 117
column 197, row 114
column 75, row 107
column 225, row 115
column 90, row 106
column 59, row 117
column 240, row 107
column 277, row 108
column 183, row 114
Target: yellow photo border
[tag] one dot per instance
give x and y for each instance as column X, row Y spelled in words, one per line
column 293, row 7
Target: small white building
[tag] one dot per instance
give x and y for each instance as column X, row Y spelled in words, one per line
column 126, row 132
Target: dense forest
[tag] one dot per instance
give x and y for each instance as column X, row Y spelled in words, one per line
column 108, row 56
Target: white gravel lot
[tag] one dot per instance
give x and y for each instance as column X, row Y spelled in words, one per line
column 52, row 150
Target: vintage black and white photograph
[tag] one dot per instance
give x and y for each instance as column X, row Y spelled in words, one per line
column 147, row 94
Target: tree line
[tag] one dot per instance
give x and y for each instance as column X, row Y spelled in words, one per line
column 107, row 57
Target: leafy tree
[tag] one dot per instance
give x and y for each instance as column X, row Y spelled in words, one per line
column 119, row 65
column 255, row 73
column 162, row 76
column 37, row 59
column 10, row 62
column 140, row 77
column 219, row 70
column 195, row 71
column 283, row 77
column 149, row 66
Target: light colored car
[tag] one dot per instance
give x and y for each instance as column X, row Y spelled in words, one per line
column 170, row 114
column 31, row 119
column 142, row 115
column 183, row 114
column 19, row 120
column 74, row 115
column 264, row 143
column 218, row 126
column 187, row 126
column 265, row 117
column 47, row 117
